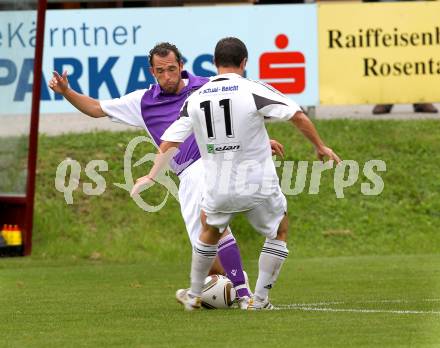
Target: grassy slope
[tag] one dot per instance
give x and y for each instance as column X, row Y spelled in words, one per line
column 13, row 164
column 403, row 219
column 125, row 298
column 103, row 304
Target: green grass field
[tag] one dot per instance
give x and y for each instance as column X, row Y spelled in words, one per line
column 379, row 301
column 363, row 271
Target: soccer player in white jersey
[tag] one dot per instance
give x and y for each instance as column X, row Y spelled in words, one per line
column 154, row 110
column 227, row 117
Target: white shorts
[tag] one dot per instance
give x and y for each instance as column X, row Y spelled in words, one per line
column 265, row 217
column 190, row 195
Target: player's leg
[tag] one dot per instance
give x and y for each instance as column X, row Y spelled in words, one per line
column 189, row 198
column 271, row 260
column 270, row 219
column 190, row 193
column 228, row 261
column 204, row 252
column 228, row 254
column 217, row 267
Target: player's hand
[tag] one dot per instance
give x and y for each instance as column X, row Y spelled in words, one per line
column 277, row 148
column 324, row 152
column 141, row 185
column 59, row 83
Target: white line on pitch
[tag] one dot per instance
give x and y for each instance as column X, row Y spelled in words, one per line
column 327, row 303
column 318, row 309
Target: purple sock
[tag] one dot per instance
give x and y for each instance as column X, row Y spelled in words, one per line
column 230, row 258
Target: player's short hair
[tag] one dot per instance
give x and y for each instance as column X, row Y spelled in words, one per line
column 230, row 52
column 162, row 49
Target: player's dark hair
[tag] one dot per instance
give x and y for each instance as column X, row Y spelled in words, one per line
column 162, row 49
column 230, row 52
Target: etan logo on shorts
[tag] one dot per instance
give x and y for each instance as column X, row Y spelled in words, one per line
column 220, row 148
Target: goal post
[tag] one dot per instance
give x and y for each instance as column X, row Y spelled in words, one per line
column 19, row 122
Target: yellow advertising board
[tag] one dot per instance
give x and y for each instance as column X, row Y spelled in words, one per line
column 372, row 53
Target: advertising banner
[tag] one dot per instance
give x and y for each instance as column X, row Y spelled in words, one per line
column 105, row 50
column 375, row 53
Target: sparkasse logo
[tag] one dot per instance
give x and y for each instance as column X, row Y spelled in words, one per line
column 284, row 70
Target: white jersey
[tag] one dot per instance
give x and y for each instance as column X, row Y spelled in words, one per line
column 227, row 117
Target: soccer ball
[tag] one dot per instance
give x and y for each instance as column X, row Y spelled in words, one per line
column 218, row 292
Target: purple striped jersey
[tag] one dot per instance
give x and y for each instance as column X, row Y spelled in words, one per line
column 155, row 111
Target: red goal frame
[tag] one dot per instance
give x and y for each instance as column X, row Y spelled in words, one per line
column 19, row 209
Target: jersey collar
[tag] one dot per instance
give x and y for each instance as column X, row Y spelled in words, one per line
column 227, row 75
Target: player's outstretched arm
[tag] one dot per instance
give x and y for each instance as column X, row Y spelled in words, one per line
column 166, row 151
column 306, row 127
column 89, row 106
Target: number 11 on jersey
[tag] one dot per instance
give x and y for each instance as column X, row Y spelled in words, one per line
column 225, row 104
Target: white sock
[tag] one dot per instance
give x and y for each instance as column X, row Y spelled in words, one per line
column 272, row 257
column 202, row 258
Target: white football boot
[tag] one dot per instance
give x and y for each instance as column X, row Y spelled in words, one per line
column 259, row 304
column 245, row 303
column 188, row 301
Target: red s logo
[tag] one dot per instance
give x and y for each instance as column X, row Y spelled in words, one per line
column 284, row 71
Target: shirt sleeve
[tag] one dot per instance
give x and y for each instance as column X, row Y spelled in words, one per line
column 181, row 129
column 126, row 109
column 272, row 104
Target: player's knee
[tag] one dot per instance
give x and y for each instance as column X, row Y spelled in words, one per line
column 283, row 229
column 209, row 234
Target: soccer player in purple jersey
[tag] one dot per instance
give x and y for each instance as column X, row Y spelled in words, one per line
column 155, row 109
